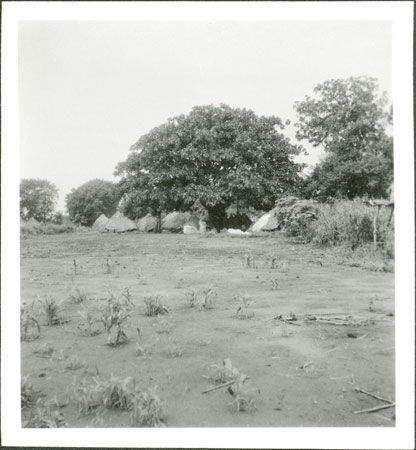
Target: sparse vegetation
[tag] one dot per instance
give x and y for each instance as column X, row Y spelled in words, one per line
column 29, row 395
column 154, row 306
column 78, row 295
column 191, row 298
column 209, row 295
column 91, row 316
column 51, row 309
column 29, row 326
column 120, row 394
column 243, row 311
column 114, row 314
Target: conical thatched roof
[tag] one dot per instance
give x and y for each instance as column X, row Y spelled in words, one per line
column 147, row 223
column 267, row 222
column 176, row 220
column 32, row 221
column 119, row 223
column 100, row 223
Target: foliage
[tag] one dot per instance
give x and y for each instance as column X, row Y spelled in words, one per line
column 154, row 306
column 29, row 396
column 29, row 326
column 37, row 199
column 43, row 417
column 348, row 118
column 348, row 223
column 90, row 315
column 113, row 315
column 51, row 309
column 294, row 216
column 299, row 217
column 212, row 158
column 30, row 229
column 208, row 294
column 121, row 395
column 243, row 311
column 243, row 398
column 87, row 202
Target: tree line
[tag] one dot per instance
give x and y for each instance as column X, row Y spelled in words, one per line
column 218, row 161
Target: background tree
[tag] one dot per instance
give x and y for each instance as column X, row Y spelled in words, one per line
column 210, row 159
column 348, row 118
column 87, row 202
column 38, row 199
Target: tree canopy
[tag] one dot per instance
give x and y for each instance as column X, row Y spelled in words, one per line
column 349, row 119
column 208, row 160
column 87, row 202
column 38, row 199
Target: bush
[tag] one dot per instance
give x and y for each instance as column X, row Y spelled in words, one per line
column 350, row 223
column 295, row 216
column 29, row 229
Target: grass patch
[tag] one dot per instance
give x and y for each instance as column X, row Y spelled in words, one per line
column 119, row 394
column 153, row 305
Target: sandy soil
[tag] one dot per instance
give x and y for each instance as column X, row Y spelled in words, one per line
column 183, row 345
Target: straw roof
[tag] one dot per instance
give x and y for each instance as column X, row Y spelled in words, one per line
column 176, row 220
column 119, row 223
column 100, row 223
column 267, row 222
column 147, row 223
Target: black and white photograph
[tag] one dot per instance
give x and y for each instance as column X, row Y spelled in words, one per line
column 211, row 224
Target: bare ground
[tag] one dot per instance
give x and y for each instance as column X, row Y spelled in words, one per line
column 304, row 373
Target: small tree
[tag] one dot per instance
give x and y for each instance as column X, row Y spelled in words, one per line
column 38, row 199
column 87, row 202
column 212, row 158
column 348, row 119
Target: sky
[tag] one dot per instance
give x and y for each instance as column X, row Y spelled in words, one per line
column 89, row 89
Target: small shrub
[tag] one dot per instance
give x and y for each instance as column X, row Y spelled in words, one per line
column 29, row 396
column 249, row 261
column 77, row 295
column 90, row 316
column 121, row 395
column 29, row 326
column 209, row 295
column 154, row 306
column 114, row 314
column 243, row 398
column 191, row 297
column 107, row 266
column 43, row 417
column 51, row 308
column 243, row 311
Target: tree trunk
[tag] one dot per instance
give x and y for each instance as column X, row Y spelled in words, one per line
column 158, row 227
column 216, row 217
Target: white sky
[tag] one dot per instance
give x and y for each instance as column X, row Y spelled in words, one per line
column 88, row 90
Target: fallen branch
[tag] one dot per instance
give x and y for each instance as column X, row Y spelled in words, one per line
column 304, row 366
column 229, row 383
column 372, row 395
column 377, row 408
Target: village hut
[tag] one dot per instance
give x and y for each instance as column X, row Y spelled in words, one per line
column 267, row 222
column 119, row 223
column 100, row 223
column 147, row 223
column 175, row 221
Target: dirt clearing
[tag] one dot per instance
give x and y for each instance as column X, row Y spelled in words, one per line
column 308, row 334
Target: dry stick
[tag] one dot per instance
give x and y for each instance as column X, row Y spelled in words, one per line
column 377, row 408
column 373, row 395
column 229, row 383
